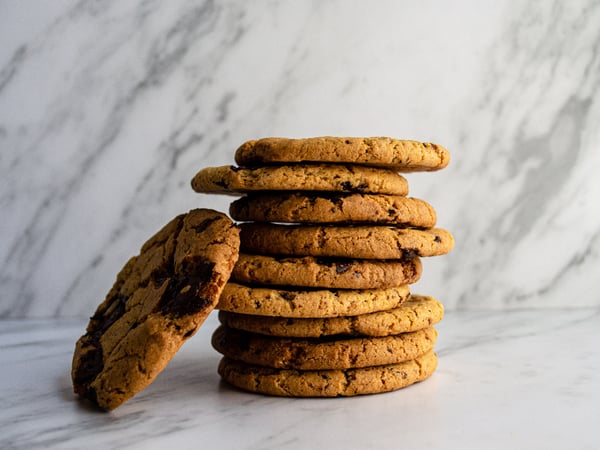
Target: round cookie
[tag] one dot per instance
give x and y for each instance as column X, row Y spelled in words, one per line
column 366, row 242
column 302, row 177
column 318, row 354
column 340, row 208
column 416, row 313
column 327, row 383
column 264, row 301
column 400, row 155
column 326, row 273
column 158, row 301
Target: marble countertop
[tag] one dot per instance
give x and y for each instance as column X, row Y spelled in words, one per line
column 519, row 379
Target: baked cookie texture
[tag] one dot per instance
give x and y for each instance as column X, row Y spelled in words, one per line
column 414, row 314
column 338, row 208
column 300, row 177
column 322, row 354
column 319, row 303
column 368, row 242
column 400, row 155
column 158, row 301
column 314, row 272
column 327, row 383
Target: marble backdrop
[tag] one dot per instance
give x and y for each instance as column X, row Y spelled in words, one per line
column 107, row 109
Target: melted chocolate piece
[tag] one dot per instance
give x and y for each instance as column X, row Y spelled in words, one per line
column 342, row 268
column 187, row 295
column 289, row 296
column 205, row 224
column 92, row 362
column 409, row 254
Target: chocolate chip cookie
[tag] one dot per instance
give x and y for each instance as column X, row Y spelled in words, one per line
column 321, row 354
column 400, row 155
column 329, row 273
column 416, row 313
column 301, row 177
column 368, row 242
column 327, row 383
column 158, row 301
column 338, row 208
column 264, row 301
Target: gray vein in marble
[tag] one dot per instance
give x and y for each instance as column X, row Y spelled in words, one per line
column 23, row 256
column 12, row 67
column 550, row 159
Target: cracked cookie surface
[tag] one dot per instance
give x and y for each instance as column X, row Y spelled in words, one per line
column 158, row 301
column 416, row 313
column 301, row 177
column 314, row 272
column 264, row 301
column 338, row 208
column 400, row 155
column 368, row 242
column 327, row 383
column 321, row 354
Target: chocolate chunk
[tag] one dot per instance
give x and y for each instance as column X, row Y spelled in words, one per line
column 186, row 297
column 289, row 296
column 205, row 224
column 409, row 253
column 91, row 363
column 342, row 268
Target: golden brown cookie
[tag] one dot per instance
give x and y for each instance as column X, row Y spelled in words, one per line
column 400, row 155
column 367, row 242
column 311, row 303
column 301, row 177
column 327, row 383
column 338, row 208
column 416, row 313
column 308, row 271
column 158, row 301
column 321, row 354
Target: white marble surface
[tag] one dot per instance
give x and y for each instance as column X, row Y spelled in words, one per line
column 107, row 109
column 519, row 380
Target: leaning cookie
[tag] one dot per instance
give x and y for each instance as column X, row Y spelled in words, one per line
column 337, row 208
column 301, row 177
column 308, row 271
column 316, row 354
column 327, row 383
column 400, row 155
column 416, row 313
column 368, row 242
column 264, row 301
column 158, row 301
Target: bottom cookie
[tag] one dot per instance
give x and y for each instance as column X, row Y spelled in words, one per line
column 327, row 383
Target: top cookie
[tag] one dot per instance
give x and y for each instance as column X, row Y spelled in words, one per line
column 158, row 301
column 400, row 155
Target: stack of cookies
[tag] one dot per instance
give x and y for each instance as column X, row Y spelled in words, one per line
column 318, row 303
